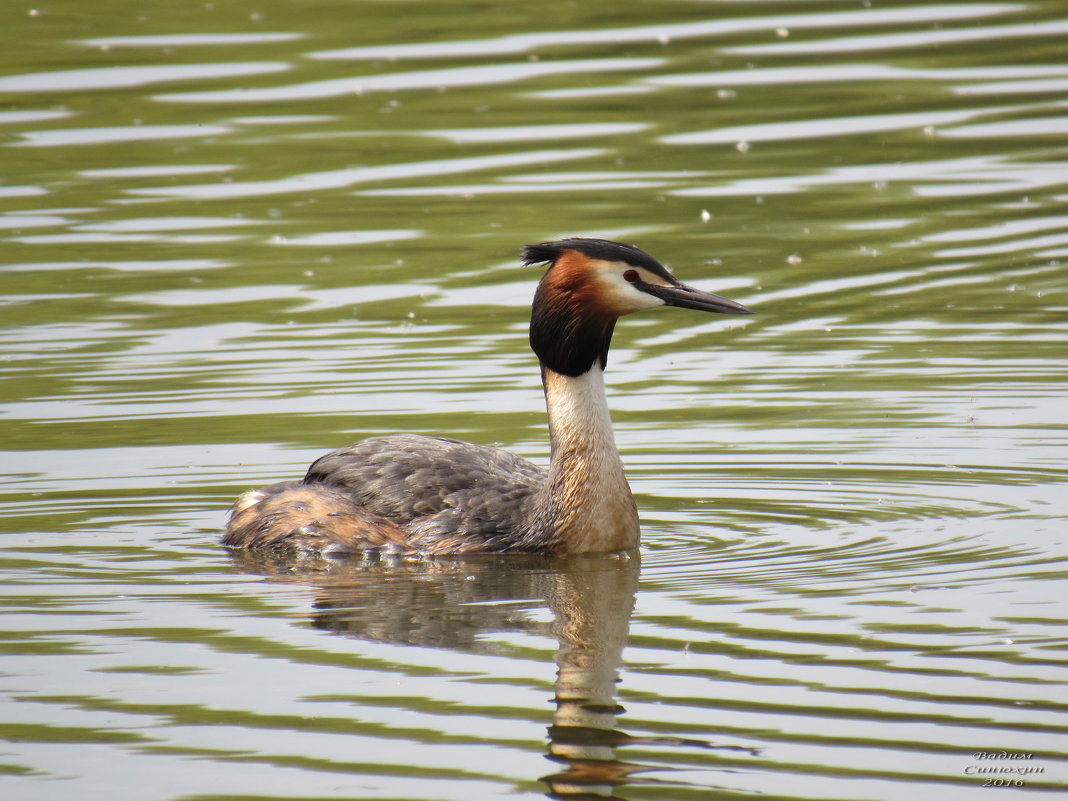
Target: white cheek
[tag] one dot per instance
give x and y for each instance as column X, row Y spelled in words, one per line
column 624, row 297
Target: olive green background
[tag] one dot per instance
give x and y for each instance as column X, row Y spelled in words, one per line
column 235, row 235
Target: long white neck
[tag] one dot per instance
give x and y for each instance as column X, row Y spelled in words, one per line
column 589, row 504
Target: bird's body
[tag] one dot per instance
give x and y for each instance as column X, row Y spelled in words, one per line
column 408, row 493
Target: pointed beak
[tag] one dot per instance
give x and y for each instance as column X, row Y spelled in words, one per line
column 687, row 297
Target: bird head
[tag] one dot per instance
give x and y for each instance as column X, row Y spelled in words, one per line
column 589, row 284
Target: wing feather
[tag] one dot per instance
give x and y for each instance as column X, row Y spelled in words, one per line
column 434, row 487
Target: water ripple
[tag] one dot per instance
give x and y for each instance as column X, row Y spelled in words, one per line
column 115, row 77
column 437, row 79
column 852, row 501
column 666, row 32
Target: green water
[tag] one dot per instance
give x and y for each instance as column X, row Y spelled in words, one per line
column 236, row 235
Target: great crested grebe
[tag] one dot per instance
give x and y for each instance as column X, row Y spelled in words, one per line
column 407, row 493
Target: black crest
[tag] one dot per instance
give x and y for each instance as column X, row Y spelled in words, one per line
column 602, row 249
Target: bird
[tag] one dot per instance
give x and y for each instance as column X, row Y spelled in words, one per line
column 426, row 496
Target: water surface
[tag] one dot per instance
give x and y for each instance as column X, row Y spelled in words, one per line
column 236, row 236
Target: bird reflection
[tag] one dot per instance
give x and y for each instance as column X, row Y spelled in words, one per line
column 453, row 603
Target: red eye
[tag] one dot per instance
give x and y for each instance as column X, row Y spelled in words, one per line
column 632, row 276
